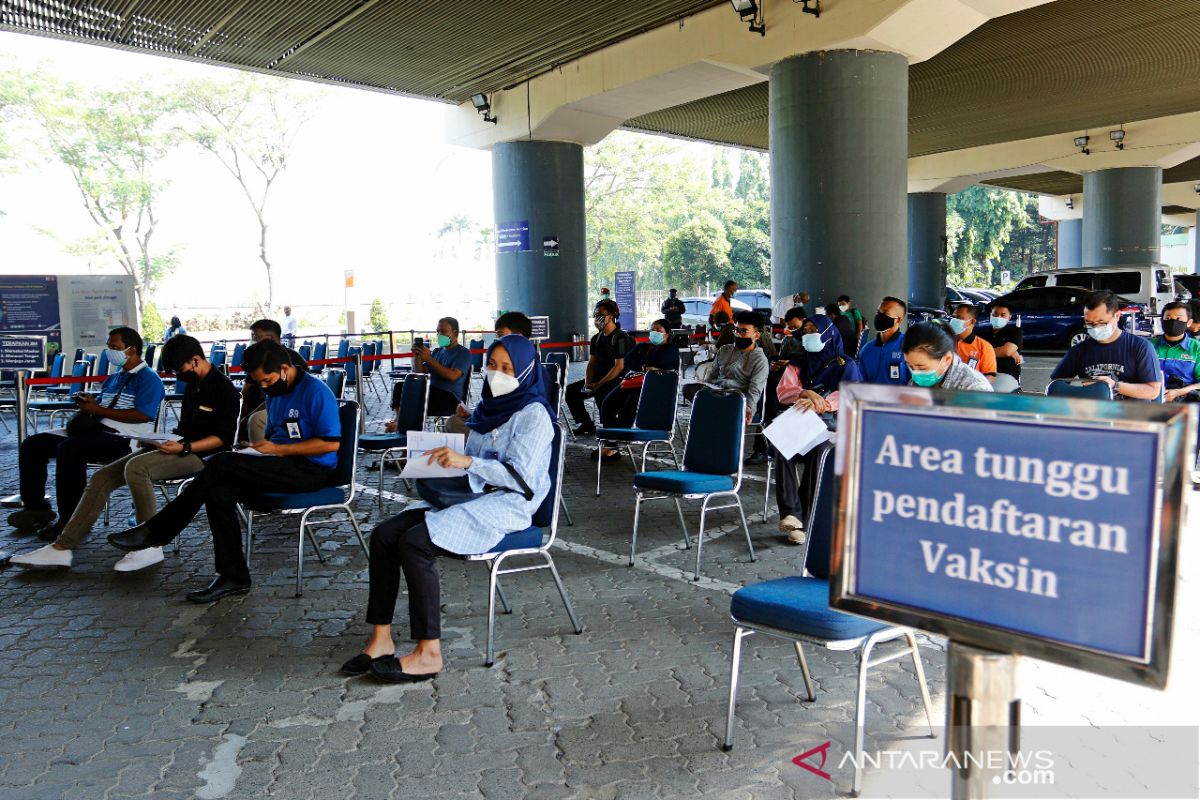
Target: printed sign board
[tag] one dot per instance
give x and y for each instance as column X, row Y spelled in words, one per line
column 550, row 246
column 540, row 327
column 624, row 292
column 512, row 236
column 1015, row 523
column 29, row 304
column 22, row 353
column 94, row 305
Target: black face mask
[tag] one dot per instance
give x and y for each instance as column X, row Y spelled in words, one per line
column 742, row 342
column 883, row 322
column 278, row 388
column 188, row 377
column 1174, row 327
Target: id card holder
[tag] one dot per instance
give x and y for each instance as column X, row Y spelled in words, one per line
column 894, row 372
column 973, row 363
column 293, row 429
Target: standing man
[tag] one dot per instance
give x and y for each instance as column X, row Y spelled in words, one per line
column 787, row 303
column 448, row 367
column 1006, row 339
column 290, row 326
column 1178, row 352
column 128, row 403
column 207, row 422
column 973, row 350
column 722, row 303
column 881, row 359
column 672, row 309
column 846, row 306
column 303, row 433
column 605, row 366
column 1127, row 363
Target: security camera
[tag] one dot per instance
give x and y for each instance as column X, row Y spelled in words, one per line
column 1197, row 188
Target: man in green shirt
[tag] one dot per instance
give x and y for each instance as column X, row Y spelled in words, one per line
column 1178, row 352
column 846, row 306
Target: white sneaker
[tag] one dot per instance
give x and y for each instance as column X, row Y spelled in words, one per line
column 44, row 558
column 797, row 537
column 790, row 523
column 139, row 559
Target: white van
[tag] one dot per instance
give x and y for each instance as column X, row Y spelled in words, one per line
column 1148, row 284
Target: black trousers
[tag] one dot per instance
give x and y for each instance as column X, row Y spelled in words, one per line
column 575, row 399
column 403, row 543
column 620, row 408
column 794, row 495
column 72, row 454
column 226, row 479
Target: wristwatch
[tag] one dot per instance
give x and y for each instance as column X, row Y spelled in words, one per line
column 187, row 449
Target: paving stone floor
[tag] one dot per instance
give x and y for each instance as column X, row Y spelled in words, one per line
column 113, row 686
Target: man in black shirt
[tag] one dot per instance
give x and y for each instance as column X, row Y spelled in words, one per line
column 253, row 421
column 1006, row 339
column 605, row 366
column 672, row 310
column 207, row 421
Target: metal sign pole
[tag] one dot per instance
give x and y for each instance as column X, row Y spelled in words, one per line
column 983, row 718
column 360, row 391
column 14, row 500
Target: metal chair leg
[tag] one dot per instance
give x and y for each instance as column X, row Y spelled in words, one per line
column 687, row 543
column 767, row 491
column 358, row 532
column 563, row 505
column 700, row 537
column 246, row 544
column 745, row 527
column 503, row 600
column 637, row 511
column 860, row 711
column 738, row 635
column 599, row 463
column 920, row 670
column 562, row 592
column 808, row 682
column 491, row 636
column 312, row 538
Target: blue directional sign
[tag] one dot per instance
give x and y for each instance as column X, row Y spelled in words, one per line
column 22, row 353
column 1016, row 523
column 625, row 293
column 512, row 236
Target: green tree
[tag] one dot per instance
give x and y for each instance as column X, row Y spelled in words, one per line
column 988, row 216
column 749, row 256
column 696, row 253
column 752, row 182
column 112, row 142
column 249, row 124
column 378, row 317
column 153, row 327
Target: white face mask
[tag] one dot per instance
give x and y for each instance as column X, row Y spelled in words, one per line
column 999, row 322
column 843, row 307
column 812, row 342
column 1102, row 332
column 117, row 357
column 501, row 383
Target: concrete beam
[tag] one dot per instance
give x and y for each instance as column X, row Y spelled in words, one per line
column 707, row 54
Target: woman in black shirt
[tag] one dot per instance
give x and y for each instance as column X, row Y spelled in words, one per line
column 659, row 354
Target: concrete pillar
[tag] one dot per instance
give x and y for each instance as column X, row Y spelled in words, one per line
column 1122, row 216
column 839, row 151
column 541, row 183
column 927, row 248
column 1196, row 243
column 1070, row 243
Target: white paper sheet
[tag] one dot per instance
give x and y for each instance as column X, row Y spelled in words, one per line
column 152, row 438
column 420, row 443
column 796, row 432
column 250, row 451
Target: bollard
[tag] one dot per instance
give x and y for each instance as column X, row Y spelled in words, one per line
column 983, row 717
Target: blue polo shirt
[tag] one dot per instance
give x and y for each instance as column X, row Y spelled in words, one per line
column 140, row 389
column 883, row 362
column 457, row 357
column 308, row 411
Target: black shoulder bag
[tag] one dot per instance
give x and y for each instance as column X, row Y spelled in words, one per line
column 82, row 422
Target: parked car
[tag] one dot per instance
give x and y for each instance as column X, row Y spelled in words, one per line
column 955, row 298
column 695, row 309
column 1189, row 283
column 925, row 314
column 1051, row 317
column 978, row 295
column 1150, row 285
column 756, row 299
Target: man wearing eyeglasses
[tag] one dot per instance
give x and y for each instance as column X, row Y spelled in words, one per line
column 1126, row 362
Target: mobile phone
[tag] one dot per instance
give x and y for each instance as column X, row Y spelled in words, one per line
column 418, row 341
column 81, row 396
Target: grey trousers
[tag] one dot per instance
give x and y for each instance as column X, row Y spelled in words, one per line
column 138, row 471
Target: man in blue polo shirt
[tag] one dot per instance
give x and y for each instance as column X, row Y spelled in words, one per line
column 881, row 358
column 128, row 404
column 303, row 432
column 448, row 367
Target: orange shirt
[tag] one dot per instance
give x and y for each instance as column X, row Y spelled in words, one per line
column 977, row 354
column 721, row 304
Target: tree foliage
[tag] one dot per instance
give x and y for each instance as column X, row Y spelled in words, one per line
column 697, row 253
column 378, row 317
column 154, row 329
column 991, row 230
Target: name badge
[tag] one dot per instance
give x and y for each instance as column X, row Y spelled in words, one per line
column 293, row 430
column 205, row 408
column 894, row 372
column 973, row 363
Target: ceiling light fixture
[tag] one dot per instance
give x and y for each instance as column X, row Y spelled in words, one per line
column 1082, row 143
column 1118, row 136
column 750, row 10
column 483, row 106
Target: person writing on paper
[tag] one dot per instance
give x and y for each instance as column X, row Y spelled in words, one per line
column 507, row 461
column 810, row 383
column 303, row 430
column 128, row 403
column 207, row 421
column 934, row 362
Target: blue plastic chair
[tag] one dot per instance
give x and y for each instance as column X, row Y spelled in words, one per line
column 1086, row 391
column 712, row 467
column 318, row 354
column 535, row 540
column 102, row 366
column 305, row 351
column 52, row 407
column 414, row 399
column 343, row 348
column 797, row 609
column 653, row 424
column 335, row 496
column 239, row 350
column 335, row 379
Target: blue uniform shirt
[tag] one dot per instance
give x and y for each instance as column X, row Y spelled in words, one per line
column 308, row 411
column 883, row 362
column 457, row 357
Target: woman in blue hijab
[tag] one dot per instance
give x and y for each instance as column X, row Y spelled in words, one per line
column 507, row 464
column 823, row 364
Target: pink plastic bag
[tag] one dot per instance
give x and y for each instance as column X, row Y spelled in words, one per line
column 789, row 388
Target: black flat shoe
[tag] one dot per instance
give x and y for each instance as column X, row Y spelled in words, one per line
column 585, row 430
column 51, row 532
column 756, row 460
column 388, row 669
column 361, row 664
column 392, row 465
column 220, row 587
column 136, row 538
column 30, row 520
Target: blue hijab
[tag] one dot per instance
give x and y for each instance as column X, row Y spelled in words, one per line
column 828, row 367
column 492, row 412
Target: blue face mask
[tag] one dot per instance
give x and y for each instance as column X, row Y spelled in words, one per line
column 657, row 337
column 957, row 325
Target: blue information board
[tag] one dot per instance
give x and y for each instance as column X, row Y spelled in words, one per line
column 29, row 304
column 1043, row 530
column 512, row 236
column 625, row 293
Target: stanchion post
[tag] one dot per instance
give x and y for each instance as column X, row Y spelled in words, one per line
column 983, row 718
column 22, row 405
column 359, row 391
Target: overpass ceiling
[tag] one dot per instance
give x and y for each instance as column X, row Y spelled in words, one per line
column 1064, row 183
column 1064, row 66
column 443, row 51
